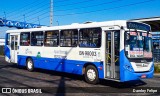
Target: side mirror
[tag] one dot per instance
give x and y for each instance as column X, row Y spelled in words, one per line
column 127, row 37
column 147, row 33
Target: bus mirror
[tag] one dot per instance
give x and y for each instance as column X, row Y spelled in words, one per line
column 147, row 33
column 127, row 37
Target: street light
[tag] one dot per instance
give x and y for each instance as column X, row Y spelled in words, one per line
column 24, row 21
column 24, row 18
column 4, row 18
column 38, row 20
column 57, row 23
column 4, row 15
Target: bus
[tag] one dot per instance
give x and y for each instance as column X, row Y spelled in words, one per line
column 117, row 50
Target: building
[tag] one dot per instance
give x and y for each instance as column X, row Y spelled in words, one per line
column 2, row 42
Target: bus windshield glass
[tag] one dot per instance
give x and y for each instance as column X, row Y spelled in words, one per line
column 138, row 45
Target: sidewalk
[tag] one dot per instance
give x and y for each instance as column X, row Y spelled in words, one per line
column 1, row 55
column 156, row 74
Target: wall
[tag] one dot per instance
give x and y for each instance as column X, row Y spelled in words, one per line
column 2, row 41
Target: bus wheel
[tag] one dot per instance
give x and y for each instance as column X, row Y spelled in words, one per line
column 30, row 65
column 91, row 75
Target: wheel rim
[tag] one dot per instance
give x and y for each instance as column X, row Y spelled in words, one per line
column 91, row 74
column 30, row 64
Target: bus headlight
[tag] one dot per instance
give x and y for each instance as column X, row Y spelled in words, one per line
column 151, row 67
column 128, row 68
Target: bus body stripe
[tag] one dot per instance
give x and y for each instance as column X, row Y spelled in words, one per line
column 6, row 49
column 63, row 65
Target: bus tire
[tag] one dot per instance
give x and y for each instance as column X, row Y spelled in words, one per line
column 30, row 65
column 91, row 75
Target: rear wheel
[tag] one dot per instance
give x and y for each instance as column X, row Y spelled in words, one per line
column 91, row 75
column 30, row 64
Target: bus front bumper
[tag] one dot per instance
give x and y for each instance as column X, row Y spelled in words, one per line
column 128, row 75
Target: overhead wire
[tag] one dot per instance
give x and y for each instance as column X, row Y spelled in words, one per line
column 41, row 18
column 95, row 5
column 131, row 4
column 34, row 6
column 73, row 3
column 59, row 1
column 44, row 12
column 39, row 15
column 20, row 8
column 34, row 13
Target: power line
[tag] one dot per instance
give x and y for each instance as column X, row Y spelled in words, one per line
column 35, row 12
column 89, row 6
column 41, row 18
column 39, row 15
column 32, row 9
column 107, row 8
column 60, row 1
column 74, row 3
column 51, row 12
column 44, row 11
column 23, row 7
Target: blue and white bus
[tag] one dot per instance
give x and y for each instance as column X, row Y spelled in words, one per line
column 114, row 50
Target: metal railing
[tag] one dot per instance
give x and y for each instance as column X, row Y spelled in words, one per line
column 156, row 55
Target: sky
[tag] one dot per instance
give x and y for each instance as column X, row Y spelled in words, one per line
column 76, row 11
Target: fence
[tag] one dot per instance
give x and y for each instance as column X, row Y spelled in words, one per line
column 156, row 55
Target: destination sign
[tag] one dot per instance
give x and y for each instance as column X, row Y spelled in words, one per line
column 140, row 26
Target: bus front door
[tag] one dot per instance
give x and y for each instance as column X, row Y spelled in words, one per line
column 112, row 54
column 14, row 47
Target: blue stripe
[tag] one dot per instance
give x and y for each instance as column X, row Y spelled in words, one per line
column 63, row 65
column 6, row 49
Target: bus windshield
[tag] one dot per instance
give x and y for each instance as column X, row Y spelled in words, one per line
column 138, row 45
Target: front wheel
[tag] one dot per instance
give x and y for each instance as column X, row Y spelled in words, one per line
column 30, row 64
column 91, row 75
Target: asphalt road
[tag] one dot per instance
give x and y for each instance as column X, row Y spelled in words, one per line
column 56, row 83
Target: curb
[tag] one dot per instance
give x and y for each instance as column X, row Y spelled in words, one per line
column 156, row 73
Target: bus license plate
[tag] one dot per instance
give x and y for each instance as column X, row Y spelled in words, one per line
column 143, row 76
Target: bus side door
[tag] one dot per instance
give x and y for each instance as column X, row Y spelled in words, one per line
column 112, row 54
column 14, row 48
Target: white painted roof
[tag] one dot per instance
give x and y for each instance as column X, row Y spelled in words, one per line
column 74, row 26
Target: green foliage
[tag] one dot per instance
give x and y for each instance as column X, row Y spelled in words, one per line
column 157, row 68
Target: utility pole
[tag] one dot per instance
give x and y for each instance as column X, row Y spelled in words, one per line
column 57, row 23
column 4, row 18
column 5, row 15
column 51, row 12
column 24, row 18
column 24, row 21
column 38, row 20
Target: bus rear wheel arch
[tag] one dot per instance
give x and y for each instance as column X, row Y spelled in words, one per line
column 30, row 64
column 91, row 74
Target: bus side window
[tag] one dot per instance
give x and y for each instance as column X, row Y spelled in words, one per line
column 8, row 39
column 12, row 43
column 37, row 38
column 90, row 37
column 69, row 38
column 25, row 39
column 52, row 38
